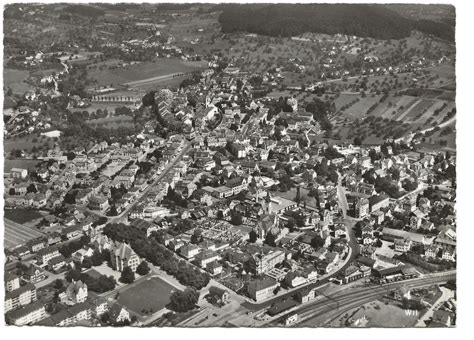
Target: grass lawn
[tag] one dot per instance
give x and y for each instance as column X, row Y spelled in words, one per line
column 381, row 315
column 20, row 215
column 152, row 294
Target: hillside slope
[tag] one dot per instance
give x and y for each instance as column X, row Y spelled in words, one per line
column 376, row 21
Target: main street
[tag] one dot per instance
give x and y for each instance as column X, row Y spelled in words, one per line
column 168, row 167
column 123, row 215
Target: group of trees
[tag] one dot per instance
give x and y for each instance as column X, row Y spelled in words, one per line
column 183, row 301
column 156, row 253
column 176, row 198
column 291, row 20
column 96, row 259
column 67, row 249
column 321, row 110
column 127, row 275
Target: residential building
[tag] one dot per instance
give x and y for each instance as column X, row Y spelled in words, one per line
column 221, row 296
column 12, row 282
column 28, row 315
column 76, row 292
column 20, row 297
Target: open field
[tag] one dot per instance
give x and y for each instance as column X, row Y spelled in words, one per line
column 159, row 67
column 17, row 234
column 14, row 79
column 21, row 216
column 29, row 164
column 151, row 294
column 27, row 143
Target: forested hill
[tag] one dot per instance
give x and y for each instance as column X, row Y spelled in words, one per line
column 362, row 20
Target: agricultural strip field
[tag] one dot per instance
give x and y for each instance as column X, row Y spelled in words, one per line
column 17, row 234
column 404, row 109
column 151, row 294
column 359, row 108
column 417, row 110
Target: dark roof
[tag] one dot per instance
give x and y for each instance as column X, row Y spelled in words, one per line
column 115, row 310
column 57, row 259
column 19, row 291
column 10, row 276
column 213, row 290
column 404, row 269
column 61, row 316
column 377, row 199
column 141, row 224
column 260, row 284
column 305, row 291
column 18, row 313
column 366, row 261
column 279, row 307
column 80, row 307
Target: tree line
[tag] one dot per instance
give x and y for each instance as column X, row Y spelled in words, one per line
column 156, row 253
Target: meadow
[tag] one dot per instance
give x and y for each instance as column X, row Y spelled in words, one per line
column 14, row 79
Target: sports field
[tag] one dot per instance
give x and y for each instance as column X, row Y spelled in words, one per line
column 149, row 72
column 17, row 234
column 150, row 295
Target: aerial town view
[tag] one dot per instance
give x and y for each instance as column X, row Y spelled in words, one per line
column 229, row 165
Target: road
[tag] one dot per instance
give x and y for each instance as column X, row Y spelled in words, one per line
column 325, row 309
column 446, row 295
column 168, row 167
column 341, row 195
column 441, row 125
column 124, row 213
column 354, row 251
